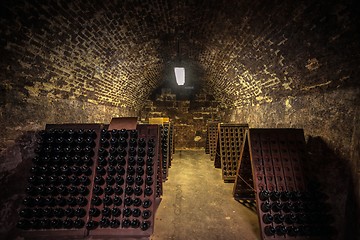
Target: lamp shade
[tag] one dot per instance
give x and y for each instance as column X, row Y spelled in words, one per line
column 180, row 75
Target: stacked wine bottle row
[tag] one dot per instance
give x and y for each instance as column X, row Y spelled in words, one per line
column 213, row 137
column 58, row 194
column 171, row 142
column 286, row 208
column 165, row 150
column 124, row 191
column 231, row 140
column 87, row 180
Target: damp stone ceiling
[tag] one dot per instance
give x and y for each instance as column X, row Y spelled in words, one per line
column 118, row 52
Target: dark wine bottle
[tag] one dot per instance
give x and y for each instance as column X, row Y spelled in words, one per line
column 149, row 170
column 146, row 214
column 148, row 191
column 280, row 230
column 264, row 195
column 114, row 223
column 142, row 142
column 68, row 223
column 149, row 181
column 59, row 212
column 278, row 218
column 116, row 212
column 136, row 212
column 145, row 225
column 107, row 200
column 80, row 212
column 137, row 202
column 106, row 212
column 26, row 213
column 267, row 218
column 129, row 190
column 71, row 201
column 139, row 181
column 290, row 218
column 105, row 134
column 104, row 222
column 97, row 190
column 81, row 201
column 110, row 180
column 128, row 201
column 276, row 206
column 126, row 223
column 121, row 161
column 147, row 203
column 61, row 201
column 118, row 190
column 127, row 212
column 112, row 161
column 100, row 171
column 92, row 225
column 109, row 190
column 130, row 180
column 135, row 223
column 133, row 142
column 84, row 191
column 131, row 160
column 104, row 143
column 99, row 180
column 117, row 201
column 138, row 191
column 149, row 161
column 79, row 223
column 96, row 200
column 69, row 212
column 94, row 212
column 120, row 170
column 115, row 133
column 130, row 170
column 269, row 231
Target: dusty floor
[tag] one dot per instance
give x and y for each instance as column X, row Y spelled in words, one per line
column 197, row 204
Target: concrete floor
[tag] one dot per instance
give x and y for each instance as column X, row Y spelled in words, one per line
column 197, row 204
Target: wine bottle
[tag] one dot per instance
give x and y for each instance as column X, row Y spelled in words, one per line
column 110, row 180
column 114, row 223
column 104, row 222
column 116, row 212
column 96, row 200
column 92, row 225
column 136, row 212
column 141, row 152
column 118, row 190
column 130, row 180
column 84, row 191
column 121, row 161
column 117, row 201
column 69, row 212
column 128, row 201
column 133, row 142
column 127, row 212
column 97, row 190
column 292, row 231
column 126, row 223
column 137, row 202
column 79, row 223
column 149, row 181
column 265, row 206
column 106, row 212
column 268, row 218
column 280, row 230
column 59, row 212
column 131, row 160
column 142, row 142
column 61, row 201
column 135, row 223
column 71, row 201
column 133, row 134
column 81, row 201
column 269, row 231
column 290, row 218
column 130, row 170
column 264, row 195
column 145, row 225
column 147, row 203
column 115, row 133
column 26, row 213
column 109, row 190
column 104, row 143
column 139, row 181
column 99, row 180
column 68, row 223
column 94, row 212
column 138, row 191
column 129, row 190
column 276, row 206
column 112, row 161
column 107, row 200
column 105, row 134
column 149, row 161
column 100, row 171
column 80, row 212
column 146, row 214
column 278, row 218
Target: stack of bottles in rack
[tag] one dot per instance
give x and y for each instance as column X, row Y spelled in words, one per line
column 91, row 180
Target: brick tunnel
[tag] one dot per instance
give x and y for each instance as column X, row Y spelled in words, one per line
column 276, row 64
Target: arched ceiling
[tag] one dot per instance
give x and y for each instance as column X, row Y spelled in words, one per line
column 119, row 52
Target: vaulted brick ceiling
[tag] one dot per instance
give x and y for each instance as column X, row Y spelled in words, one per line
column 119, row 52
